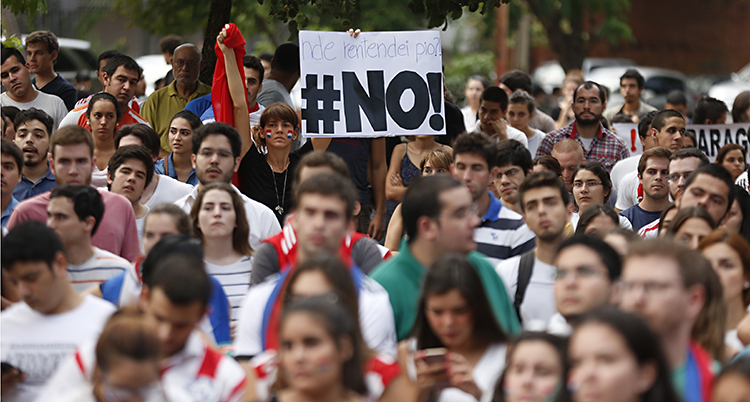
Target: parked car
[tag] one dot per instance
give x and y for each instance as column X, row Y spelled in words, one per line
column 659, row 83
column 154, row 67
column 550, row 75
column 728, row 90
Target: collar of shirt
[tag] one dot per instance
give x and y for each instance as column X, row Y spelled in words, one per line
column 200, row 90
column 47, row 176
column 574, row 131
column 194, row 348
column 171, row 172
column 407, row 260
column 494, row 209
column 11, row 206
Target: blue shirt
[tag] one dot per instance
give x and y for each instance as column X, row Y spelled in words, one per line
column 200, row 105
column 26, row 189
column 639, row 217
column 159, row 169
column 9, row 210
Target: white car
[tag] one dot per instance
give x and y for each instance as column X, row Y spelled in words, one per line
column 659, row 83
column 550, row 75
column 154, row 67
column 728, row 90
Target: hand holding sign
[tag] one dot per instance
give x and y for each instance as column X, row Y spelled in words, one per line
column 372, row 84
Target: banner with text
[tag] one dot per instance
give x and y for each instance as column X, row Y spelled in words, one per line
column 378, row 84
column 709, row 138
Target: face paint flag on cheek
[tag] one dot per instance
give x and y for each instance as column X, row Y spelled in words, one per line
column 289, row 134
column 268, row 133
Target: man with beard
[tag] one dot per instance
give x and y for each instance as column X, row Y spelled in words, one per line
column 33, row 128
column 599, row 144
column 216, row 156
column 653, row 173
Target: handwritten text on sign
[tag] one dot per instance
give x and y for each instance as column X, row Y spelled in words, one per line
column 709, row 138
column 378, row 84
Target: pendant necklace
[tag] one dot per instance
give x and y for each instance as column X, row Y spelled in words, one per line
column 279, row 208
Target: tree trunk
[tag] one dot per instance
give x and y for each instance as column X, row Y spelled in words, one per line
column 570, row 47
column 218, row 16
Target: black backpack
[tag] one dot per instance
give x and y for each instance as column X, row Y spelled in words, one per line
column 525, row 269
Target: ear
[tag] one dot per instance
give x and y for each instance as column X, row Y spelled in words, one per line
column 51, row 164
column 614, row 294
column 696, row 299
column 89, row 223
column 503, row 113
column 646, row 377
column 54, row 55
column 237, row 161
column 346, row 346
column 192, row 159
column 60, row 264
column 493, row 174
column 652, row 132
column 110, row 177
column 427, row 228
column 105, row 76
column 357, row 208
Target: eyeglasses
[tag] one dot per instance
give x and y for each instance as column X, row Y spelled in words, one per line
column 191, row 64
column 588, row 184
column 509, row 173
column 649, row 287
column 580, row 272
column 676, row 176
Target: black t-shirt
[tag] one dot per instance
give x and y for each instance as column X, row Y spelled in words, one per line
column 256, row 180
column 356, row 153
column 61, row 88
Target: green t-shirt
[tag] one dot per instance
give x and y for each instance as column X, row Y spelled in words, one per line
column 402, row 277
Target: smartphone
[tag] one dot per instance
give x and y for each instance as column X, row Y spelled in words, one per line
column 434, row 355
column 6, row 367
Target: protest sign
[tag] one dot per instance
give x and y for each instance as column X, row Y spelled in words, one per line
column 378, row 84
column 709, row 138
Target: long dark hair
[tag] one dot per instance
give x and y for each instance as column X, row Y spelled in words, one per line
column 455, row 272
column 558, row 343
column 597, row 169
column 642, row 343
column 339, row 324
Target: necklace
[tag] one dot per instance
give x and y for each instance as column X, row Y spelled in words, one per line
column 279, row 209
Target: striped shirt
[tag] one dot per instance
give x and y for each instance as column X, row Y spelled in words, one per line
column 502, row 233
column 606, row 148
column 650, row 231
column 77, row 116
column 235, row 279
column 97, row 269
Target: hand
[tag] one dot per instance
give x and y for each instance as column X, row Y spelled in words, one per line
column 396, row 180
column 222, row 37
column 430, row 375
column 500, row 125
column 10, row 379
column 353, row 33
column 376, row 230
column 459, row 372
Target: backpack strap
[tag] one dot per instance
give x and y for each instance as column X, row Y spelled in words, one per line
column 525, row 269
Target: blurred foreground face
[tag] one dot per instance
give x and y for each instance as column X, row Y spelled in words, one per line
column 534, row 373
column 732, row 388
column 582, row 282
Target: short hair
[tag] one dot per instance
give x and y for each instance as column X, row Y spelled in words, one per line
column 11, row 112
column 286, row 58
column 169, row 43
column 71, row 135
column 478, row 144
column 143, row 132
column 217, row 128
column 543, row 179
column 660, row 119
column 592, row 212
column 517, row 80
column 30, row 241
column 600, row 172
column 690, row 153
column 549, row 162
column 569, row 145
column 677, row 97
column 655, row 152
column 252, row 62
column 710, row 109
column 106, row 55
column 604, row 251
column 45, row 37
column 86, row 202
column 34, row 114
column 495, row 94
column 180, row 218
column 127, row 334
column 267, row 56
column 11, row 149
column 422, row 198
column 190, row 117
column 690, row 263
column 728, row 148
column 175, row 265
column 123, row 154
column 512, row 152
column 523, row 98
column 104, row 96
column 689, row 134
column 319, row 159
column 740, row 106
column 439, row 158
column 278, row 111
column 7, row 52
column 241, row 225
column 330, row 184
column 634, row 74
column 121, row 60
column 717, row 172
column 589, row 85
column 644, row 125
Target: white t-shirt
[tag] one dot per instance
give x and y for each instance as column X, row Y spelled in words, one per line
column 470, row 118
column 624, row 168
column 197, row 373
column 139, row 222
column 51, row 104
column 97, row 269
column 586, row 142
column 559, row 326
column 627, row 191
column 37, row 343
column 535, row 141
column 513, row 134
column 539, row 300
column 167, row 191
column 743, row 182
column 375, row 318
column 485, row 373
column 624, row 222
column 235, row 279
column 262, row 221
column 99, row 177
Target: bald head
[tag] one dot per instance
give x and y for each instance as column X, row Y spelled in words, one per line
column 569, row 153
column 187, row 64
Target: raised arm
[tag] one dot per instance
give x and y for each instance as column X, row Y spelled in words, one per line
column 237, row 92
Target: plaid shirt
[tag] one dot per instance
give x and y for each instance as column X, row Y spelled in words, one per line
column 607, row 148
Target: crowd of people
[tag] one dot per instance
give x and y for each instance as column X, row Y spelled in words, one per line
column 195, row 246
